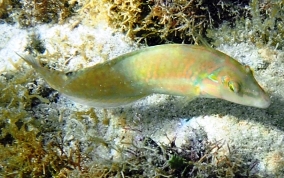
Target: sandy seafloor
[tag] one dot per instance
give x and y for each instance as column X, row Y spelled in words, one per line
column 255, row 133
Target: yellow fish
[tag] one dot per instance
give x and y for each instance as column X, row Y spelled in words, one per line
column 173, row 69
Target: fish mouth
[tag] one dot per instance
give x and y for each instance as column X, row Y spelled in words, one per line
column 264, row 102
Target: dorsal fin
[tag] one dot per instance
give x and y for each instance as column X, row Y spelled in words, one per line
column 202, row 41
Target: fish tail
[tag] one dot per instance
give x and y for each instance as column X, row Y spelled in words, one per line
column 53, row 78
column 31, row 61
column 36, row 65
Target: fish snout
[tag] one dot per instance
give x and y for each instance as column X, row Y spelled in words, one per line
column 265, row 101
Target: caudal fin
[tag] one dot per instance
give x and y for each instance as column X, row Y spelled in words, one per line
column 30, row 60
column 55, row 79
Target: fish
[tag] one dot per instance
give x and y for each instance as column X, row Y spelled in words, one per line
column 173, row 69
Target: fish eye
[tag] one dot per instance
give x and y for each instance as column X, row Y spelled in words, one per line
column 234, row 86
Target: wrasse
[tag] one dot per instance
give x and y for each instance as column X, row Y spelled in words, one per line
column 172, row 69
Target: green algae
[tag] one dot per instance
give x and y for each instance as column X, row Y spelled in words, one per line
column 262, row 26
column 24, row 152
column 156, row 22
column 29, row 13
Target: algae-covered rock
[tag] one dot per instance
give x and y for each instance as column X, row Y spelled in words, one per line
column 263, row 25
column 29, row 13
column 158, row 21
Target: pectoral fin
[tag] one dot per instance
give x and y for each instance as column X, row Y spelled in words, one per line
column 182, row 102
